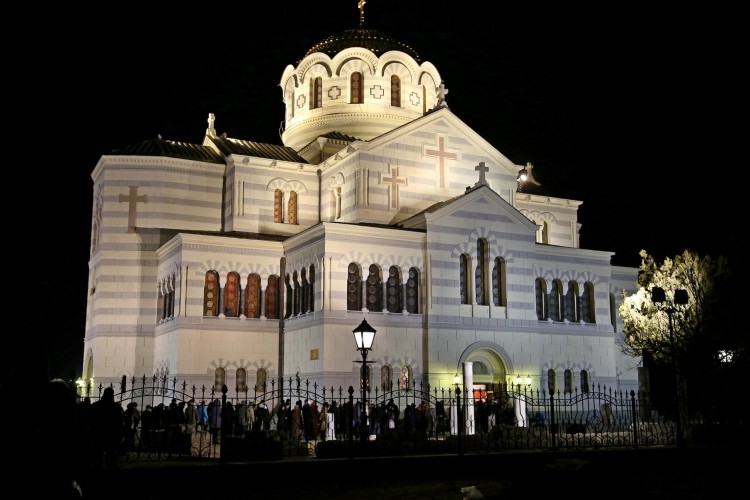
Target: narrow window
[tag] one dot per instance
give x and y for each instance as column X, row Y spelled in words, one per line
column 220, row 378
column 464, row 274
column 386, row 377
column 498, row 283
column 252, row 296
column 572, row 305
column 241, row 379
column 374, row 289
column 311, row 291
column 289, row 302
column 412, row 291
column 316, row 92
column 395, row 91
column 356, row 88
column 551, row 381
column 211, row 294
column 393, row 290
column 555, row 301
column 404, row 379
column 261, row 380
column 353, row 288
column 585, row 382
column 232, row 291
column 568, row 380
column 541, row 299
column 278, row 209
column 272, row 297
column 292, row 212
column 588, row 309
column 480, row 273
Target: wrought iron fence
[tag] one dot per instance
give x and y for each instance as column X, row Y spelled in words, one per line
column 399, row 420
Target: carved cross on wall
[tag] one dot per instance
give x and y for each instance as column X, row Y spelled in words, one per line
column 394, row 180
column 442, row 154
column 132, row 199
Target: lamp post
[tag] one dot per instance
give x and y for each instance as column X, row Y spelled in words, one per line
column 680, row 298
column 364, row 336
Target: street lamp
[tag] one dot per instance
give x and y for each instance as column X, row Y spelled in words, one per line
column 680, row 298
column 364, row 336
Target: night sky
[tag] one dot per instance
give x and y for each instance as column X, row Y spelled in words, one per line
column 628, row 110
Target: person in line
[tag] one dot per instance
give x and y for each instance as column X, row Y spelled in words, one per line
column 107, row 425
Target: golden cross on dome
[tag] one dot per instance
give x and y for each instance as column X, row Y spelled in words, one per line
column 361, row 5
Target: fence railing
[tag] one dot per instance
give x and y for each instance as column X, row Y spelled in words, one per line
column 398, row 420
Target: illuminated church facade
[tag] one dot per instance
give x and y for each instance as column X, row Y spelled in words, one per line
column 237, row 262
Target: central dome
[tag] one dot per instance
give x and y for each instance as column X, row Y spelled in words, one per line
column 373, row 40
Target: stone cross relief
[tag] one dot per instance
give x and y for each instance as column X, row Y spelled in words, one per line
column 132, row 199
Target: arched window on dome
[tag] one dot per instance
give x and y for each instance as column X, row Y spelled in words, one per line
column 356, row 88
column 316, row 92
column 395, row 91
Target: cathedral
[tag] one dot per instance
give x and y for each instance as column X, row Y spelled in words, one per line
column 234, row 262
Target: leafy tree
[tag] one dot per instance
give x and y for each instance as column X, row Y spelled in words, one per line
column 663, row 327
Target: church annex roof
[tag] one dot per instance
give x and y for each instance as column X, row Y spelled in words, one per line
column 171, row 149
column 229, row 146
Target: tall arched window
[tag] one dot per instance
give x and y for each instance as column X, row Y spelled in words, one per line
column 292, row 212
column 556, row 301
column 356, row 88
column 252, row 296
column 480, row 273
column 464, row 273
column 232, row 291
column 572, row 305
column 585, row 382
column 241, row 379
column 353, row 288
column 316, row 92
column 368, row 370
column 542, row 308
column 552, row 380
column 588, row 307
column 261, row 380
column 613, row 311
column 393, row 290
column 395, row 91
column 498, row 283
column 374, row 289
column 568, row 380
column 386, row 377
column 278, row 206
column 211, row 294
column 404, row 378
column 220, row 378
column 412, row 291
column 272, row 297
column 545, row 232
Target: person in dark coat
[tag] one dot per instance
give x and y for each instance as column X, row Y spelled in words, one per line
column 107, row 424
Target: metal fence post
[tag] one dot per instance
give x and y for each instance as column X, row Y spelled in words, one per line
column 635, row 419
